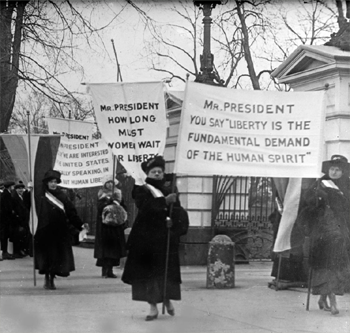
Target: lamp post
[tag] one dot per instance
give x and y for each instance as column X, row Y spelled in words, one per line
column 207, row 74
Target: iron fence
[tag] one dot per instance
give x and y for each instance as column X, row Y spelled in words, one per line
column 241, row 208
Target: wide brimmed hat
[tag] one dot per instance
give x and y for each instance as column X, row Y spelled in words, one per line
column 19, row 185
column 157, row 161
column 52, row 174
column 339, row 161
column 8, row 183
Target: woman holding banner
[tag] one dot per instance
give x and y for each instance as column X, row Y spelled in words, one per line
column 111, row 218
column 57, row 217
column 326, row 218
column 153, row 280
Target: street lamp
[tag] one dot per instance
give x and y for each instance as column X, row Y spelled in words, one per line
column 207, row 74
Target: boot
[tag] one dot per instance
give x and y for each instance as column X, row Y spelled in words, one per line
column 109, row 272
column 52, row 283
column 47, row 281
column 104, row 271
column 333, row 302
column 322, row 303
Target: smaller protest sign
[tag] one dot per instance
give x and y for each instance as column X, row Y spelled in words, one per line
column 83, row 163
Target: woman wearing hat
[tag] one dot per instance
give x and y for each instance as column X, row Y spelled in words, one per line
column 56, row 216
column 6, row 217
column 147, row 242
column 109, row 238
column 21, row 207
column 326, row 218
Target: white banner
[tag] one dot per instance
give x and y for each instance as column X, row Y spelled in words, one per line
column 132, row 119
column 250, row 133
column 83, row 163
column 72, row 129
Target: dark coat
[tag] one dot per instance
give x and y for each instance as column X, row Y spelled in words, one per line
column 21, row 220
column 109, row 240
column 6, row 213
column 147, row 242
column 326, row 221
column 53, row 238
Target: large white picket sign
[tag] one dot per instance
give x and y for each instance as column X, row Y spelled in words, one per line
column 132, row 119
column 250, row 133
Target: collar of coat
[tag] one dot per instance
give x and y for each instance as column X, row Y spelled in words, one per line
column 53, row 200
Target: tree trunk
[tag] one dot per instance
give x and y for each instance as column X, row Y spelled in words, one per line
column 9, row 55
column 247, row 55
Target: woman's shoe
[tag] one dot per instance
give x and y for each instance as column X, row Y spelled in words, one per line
column 52, row 283
column 47, row 282
column 334, row 310
column 151, row 317
column 104, row 270
column 109, row 273
column 170, row 308
column 153, row 313
column 7, row 256
column 322, row 303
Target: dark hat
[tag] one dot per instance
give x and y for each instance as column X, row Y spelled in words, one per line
column 8, row 183
column 19, row 185
column 52, row 174
column 339, row 161
column 157, row 161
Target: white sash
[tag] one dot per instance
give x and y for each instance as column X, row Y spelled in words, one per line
column 54, row 201
column 155, row 192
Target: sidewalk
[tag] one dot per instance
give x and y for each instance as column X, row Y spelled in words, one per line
column 85, row 302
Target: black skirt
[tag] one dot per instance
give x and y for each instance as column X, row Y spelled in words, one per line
column 152, row 290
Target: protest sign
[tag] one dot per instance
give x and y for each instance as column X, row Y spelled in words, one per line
column 250, row 133
column 131, row 118
column 83, row 163
column 71, row 129
column 82, row 160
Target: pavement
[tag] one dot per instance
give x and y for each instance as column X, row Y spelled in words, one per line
column 85, row 302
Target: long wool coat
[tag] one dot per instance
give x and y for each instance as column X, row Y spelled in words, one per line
column 21, row 208
column 326, row 220
column 6, row 214
column 147, row 244
column 109, row 240
column 53, row 238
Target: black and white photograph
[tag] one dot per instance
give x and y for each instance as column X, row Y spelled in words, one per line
column 175, row 166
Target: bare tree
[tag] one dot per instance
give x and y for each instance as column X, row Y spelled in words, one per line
column 77, row 108
column 38, row 42
column 37, row 105
column 168, row 48
column 260, row 32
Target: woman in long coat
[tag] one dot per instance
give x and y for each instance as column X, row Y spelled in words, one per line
column 57, row 217
column 21, row 210
column 147, row 242
column 326, row 218
column 109, row 239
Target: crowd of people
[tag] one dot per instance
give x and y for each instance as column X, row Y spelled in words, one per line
column 152, row 267
column 153, row 242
